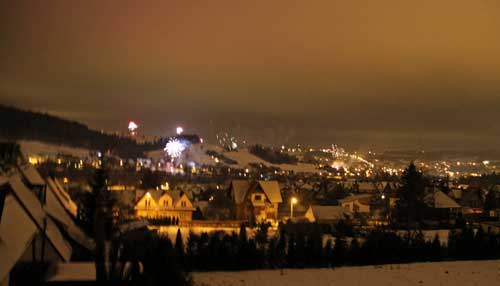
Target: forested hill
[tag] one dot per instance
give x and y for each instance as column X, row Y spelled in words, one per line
column 17, row 124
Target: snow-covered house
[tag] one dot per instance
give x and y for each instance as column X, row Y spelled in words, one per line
column 256, row 199
column 357, row 203
column 327, row 214
column 164, row 204
column 60, row 207
column 27, row 233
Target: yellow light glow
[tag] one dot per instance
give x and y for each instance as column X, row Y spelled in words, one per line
column 293, row 201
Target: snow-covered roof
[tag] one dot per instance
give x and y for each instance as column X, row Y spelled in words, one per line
column 239, row 189
column 328, row 213
column 27, row 199
column 62, row 196
column 355, row 198
column 34, row 209
column 32, row 175
column 272, row 190
column 55, row 208
column 440, row 200
column 17, row 230
column 155, row 194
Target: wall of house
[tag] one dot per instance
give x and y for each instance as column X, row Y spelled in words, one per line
column 50, row 254
column 142, row 204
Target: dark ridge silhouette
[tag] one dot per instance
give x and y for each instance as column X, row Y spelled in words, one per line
column 17, row 124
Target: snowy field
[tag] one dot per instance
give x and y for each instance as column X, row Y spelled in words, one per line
column 438, row 273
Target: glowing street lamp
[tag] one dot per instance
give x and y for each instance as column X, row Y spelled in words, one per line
column 293, row 201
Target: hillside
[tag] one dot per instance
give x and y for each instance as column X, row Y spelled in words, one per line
column 17, row 124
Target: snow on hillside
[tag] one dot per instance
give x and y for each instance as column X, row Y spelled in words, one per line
column 197, row 153
column 244, row 158
column 40, row 148
column 458, row 273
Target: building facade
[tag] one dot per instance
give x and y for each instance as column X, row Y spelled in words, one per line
column 256, row 200
column 164, row 204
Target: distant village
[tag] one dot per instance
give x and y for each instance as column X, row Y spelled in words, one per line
column 45, row 215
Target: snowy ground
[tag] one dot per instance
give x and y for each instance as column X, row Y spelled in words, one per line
column 439, row 273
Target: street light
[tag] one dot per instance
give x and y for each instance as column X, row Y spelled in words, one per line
column 293, row 201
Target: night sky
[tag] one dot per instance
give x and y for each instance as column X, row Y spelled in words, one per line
column 366, row 74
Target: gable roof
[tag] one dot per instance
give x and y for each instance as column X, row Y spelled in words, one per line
column 329, row 213
column 62, row 196
column 239, row 189
column 34, row 209
column 355, row 197
column 54, row 207
column 440, row 200
column 272, row 191
column 17, row 230
column 32, row 176
column 155, row 195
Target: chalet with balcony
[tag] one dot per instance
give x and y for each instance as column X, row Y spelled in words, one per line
column 164, row 204
column 255, row 200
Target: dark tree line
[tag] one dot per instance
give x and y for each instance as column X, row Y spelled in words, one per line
column 272, row 156
column 302, row 246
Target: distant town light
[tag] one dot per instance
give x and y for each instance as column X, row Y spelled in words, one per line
column 486, row 162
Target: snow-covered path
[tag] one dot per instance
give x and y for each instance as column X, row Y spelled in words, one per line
column 438, row 273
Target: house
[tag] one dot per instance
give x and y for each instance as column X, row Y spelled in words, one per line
column 327, row 214
column 257, row 200
column 357, row 203
column 440, row 200
column 62, row 209
column 441, row 205
column 27, row 233
column 472, row 198
column 164, row 204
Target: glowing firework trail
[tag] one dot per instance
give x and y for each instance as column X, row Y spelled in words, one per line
column 174, row 148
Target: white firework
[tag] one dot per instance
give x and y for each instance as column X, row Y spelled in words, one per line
column 174, row 148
